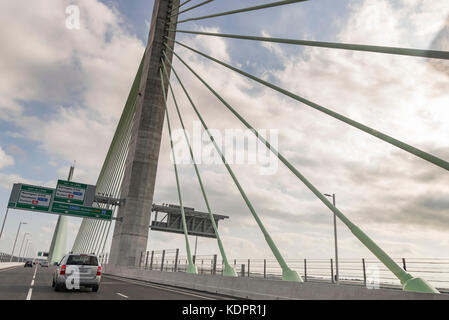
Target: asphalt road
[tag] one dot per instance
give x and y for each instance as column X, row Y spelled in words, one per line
column 21, row 283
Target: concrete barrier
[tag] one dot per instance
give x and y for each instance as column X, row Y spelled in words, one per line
column 7, row 265
column 262, row 289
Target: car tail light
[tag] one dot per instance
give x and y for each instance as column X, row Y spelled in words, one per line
column 62, row 272
column 99, row 271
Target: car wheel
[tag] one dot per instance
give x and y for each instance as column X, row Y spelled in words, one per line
column 95, row 288
column 60, row 287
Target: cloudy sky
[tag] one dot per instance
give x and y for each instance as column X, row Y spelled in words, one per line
column 62, row 92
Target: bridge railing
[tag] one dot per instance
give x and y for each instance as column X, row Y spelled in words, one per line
column 364, row 272
column 6, row 257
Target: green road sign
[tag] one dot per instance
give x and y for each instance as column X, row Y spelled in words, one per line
column 81, row 211
column 11, row 205
column 70, row 192
column 34, row 198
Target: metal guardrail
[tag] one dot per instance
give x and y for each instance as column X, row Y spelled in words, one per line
column 5, row 257
column 363, row 272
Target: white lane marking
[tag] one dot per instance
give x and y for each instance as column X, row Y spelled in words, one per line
column 122, row 295
column 164, row 288
column 34, row 276
column 30, row 292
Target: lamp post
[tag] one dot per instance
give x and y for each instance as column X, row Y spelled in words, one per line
column 4, row 221
column 15, row 241
column 335, row 237
column 21, row 246
column 25, row 250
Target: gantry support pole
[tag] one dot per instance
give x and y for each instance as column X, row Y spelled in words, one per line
column 131, row 234
column 59, row 241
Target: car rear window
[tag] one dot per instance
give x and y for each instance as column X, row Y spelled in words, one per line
column 79, row 260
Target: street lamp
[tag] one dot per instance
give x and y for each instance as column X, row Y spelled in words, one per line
column 335, row 236
column 21, row 246
column 14, row 247
column 25, row 249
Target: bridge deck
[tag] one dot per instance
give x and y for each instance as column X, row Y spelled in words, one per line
column 15, row 284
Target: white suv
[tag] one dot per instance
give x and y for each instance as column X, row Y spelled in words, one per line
column 77, row 270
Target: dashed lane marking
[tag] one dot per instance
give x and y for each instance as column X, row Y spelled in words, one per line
column 30, row 291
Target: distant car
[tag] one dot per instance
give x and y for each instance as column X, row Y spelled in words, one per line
column 44, row 264
column 28, row 264
column 88, row 270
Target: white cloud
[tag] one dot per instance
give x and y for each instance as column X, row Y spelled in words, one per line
column 82, row 77
column 8, row 180
column 5, row 160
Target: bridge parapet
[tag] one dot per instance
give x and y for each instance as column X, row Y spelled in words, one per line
column 265, row 289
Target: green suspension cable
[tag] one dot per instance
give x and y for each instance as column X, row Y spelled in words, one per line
column 116, row 192
column 409, row 283
column 228, row 270
column 287, row 273
column 191, row 268
column 134, row 92
column 435, row 54
column 180, row 5
column 114, row 183
column 263, row 6
column 109, row 170
column 397, row 143
column 191, row 8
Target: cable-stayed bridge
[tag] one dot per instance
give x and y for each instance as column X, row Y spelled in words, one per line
column 129, row 170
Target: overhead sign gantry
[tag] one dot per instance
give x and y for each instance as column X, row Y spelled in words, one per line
column 198, row 223
column 69, row 198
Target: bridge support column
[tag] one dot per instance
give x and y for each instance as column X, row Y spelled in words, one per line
column 131, row 234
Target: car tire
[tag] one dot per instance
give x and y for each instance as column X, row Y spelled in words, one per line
column 95, row 288
column 60, row 287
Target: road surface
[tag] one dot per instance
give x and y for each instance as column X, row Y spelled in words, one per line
column 21, row 283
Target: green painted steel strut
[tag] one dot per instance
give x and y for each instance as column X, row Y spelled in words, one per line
column 287, row 273
column 409, row 283
column 191, row 268
column 397, row 143
column 228, row 270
